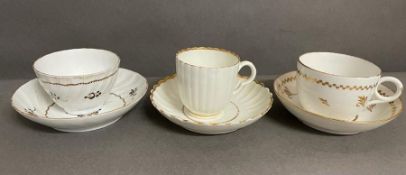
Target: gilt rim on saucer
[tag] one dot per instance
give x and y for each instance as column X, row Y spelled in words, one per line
column 13, row 105
column 276, row 89
column 169, row 77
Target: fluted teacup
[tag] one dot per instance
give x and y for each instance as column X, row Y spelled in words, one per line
column 207, row 78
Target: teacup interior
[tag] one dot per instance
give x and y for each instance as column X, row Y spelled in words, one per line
column 211, row 58
column 339, row 64
column 77, row 62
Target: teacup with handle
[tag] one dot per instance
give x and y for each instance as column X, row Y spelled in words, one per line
column 340, row 86
column 207, row 78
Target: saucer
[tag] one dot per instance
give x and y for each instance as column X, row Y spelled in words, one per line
column 374, row 117
column 247, row 106
column 32, row 102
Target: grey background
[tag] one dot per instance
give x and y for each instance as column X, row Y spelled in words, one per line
column 145, row 142
column 147, row 33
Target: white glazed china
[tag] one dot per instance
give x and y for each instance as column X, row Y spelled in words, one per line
column 381, row 114
column 33, row 103
column 207, row 78
column 78, row 80
column 339, row 85
column 247, row 105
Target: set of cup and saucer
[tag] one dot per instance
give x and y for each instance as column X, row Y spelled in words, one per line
column 339, row 94
column 207, row 95
column 79, row 90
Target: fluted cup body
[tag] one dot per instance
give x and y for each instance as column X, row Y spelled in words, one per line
column 207, row 79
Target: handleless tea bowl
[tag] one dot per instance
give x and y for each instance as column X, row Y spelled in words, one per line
column 78, row 80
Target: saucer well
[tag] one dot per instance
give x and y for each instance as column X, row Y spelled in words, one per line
column 374, row 117
column 247, row 106
column 32, row 102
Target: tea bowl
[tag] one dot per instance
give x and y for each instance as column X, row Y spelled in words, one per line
column 78, row 80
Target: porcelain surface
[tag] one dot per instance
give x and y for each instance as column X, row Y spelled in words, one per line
column 207, row 79
column 32, row 102
column 248, row 105
column 339, row 85
column 374, row 117
column 78, row 80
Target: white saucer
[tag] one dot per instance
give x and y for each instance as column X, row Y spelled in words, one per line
column 251, row 103
column 31, row 101
column 285, row 89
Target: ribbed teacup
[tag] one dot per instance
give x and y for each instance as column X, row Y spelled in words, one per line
column 207, row 78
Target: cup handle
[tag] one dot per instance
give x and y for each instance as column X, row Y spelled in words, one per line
column 383, row 99
column 242, row 83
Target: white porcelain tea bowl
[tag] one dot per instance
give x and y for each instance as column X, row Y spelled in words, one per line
column 32, row 102
column 207, row 78
column 339, row 85
column 247, row 105
column 378, row 115
column 78, row 80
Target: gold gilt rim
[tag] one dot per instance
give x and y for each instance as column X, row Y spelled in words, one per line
column 169, row 77
column 280, row 96
column 209, row 48
column 336, row 75
column 125, row 104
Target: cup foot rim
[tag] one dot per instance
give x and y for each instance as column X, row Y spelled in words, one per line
column 202, row 117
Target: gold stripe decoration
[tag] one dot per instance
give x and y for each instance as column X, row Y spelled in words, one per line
column 48, row 108
column 285, row 81
column 120, row 97
column 392, row 103
column 333, row 85
column 83, row 83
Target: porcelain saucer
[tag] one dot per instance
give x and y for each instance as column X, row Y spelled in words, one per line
column 32, row 102
column 374, row 117
column 247, row 106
